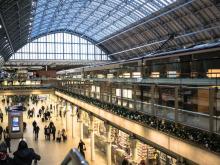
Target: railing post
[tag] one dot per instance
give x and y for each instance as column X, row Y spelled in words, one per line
column 110, row 93
column 176, row 104
column 121, row 97
column 153, row 99
column 84, row 88
column 135, row 98
column 211, row 108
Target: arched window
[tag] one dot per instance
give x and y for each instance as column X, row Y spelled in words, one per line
column 60, row 46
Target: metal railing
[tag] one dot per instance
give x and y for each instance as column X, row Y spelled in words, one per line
column 74, row 158
column 184, row 116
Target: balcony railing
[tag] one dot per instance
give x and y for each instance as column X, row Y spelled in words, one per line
column 171, row 81
column 187, row 117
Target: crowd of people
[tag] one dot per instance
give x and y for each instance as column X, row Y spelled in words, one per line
column 50, row 132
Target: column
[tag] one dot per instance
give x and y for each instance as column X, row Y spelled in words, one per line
column 80, row 124
column 73, row 118
column 134, row 150
column 92, row 137
column 108, row 144
column 65, row 111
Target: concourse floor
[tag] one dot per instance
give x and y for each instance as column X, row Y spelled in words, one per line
column 51, row 152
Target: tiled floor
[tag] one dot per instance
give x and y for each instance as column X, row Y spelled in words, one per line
column 52, row 153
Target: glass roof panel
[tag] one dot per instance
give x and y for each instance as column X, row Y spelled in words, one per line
column 95, row 19
column 60, row 46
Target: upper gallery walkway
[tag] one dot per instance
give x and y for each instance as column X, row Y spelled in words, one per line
column 165, row 141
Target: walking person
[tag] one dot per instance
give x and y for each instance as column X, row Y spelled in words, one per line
column 53, row 131
column 48, row 133
column 34, row 124
column 1, row 116
column 40, row 113
column 82, row 147
column 28, row 113
column 37, row 129
column 1, row 132
column 24, row 155
column 45, row 132
column 7, row 140
column 60, row 113
column 6, row 110
column 64, row 113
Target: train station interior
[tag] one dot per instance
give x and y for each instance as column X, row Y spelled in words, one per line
column 110, row 82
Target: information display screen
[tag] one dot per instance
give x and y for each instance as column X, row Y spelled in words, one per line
column 15, row 124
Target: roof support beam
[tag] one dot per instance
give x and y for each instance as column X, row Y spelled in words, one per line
column 6, row 31
column 161, row 41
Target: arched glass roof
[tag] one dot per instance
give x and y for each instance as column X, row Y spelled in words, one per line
column 95, row 19
column 60, row 46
